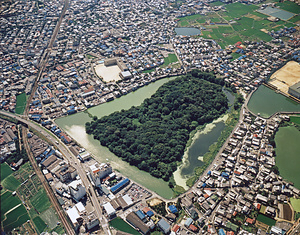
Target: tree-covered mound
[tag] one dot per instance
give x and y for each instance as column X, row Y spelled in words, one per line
column 153, row 135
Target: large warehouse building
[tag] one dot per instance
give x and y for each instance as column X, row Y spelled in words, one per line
column 295, row 90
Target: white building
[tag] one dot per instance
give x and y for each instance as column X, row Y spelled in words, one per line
column 99, row 171
column 77, row 190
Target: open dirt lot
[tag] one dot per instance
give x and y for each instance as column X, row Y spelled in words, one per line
column 287, row 76
column 154, row 202
column 108, row 74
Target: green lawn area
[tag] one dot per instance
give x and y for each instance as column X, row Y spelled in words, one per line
column 10, row 183
column 266, row 220
column 148, row 71
column 21, row 103
column 5, row 171
column 295, row 204
column 15, row 218
column 170, row 59
column 39, row 224
column 262, row 209
column 40, row 201
column 121, row 225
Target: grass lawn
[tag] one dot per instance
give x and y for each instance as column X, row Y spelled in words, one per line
column 295, row 204
column 39, row 224
column 266, row 220
column 15, row 218
column 5, row 171
column 21, row 103
column 170, row 59
column 10, row 183
column 148, row 71
column 40, row 201
column 121, row 225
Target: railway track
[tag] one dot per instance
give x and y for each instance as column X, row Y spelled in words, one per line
column 69, row 229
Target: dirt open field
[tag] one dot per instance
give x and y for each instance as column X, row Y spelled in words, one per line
column 108, row 73
column 285, row 212
column 154, row 201
column 287, row 76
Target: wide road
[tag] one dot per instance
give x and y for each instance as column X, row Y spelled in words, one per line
column 72, row 159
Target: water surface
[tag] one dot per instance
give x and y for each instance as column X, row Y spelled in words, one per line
column 265, row 101
column 287, row 150
column 187, row 31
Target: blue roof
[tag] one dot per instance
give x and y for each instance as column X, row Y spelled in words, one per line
column 150, row 213
column 140, row 214
column 118, row 186
column 173, row 209
column 221, row 232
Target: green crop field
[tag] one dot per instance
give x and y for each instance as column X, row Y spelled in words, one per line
column 10, row 183
column 289, row 6
column 5, row 171
column 8, row 201
column 15, row 218
column 39, row 224
column 21, row 103
column 40, row 201
column 266, row 220
column 121, row 225
column 244, row 23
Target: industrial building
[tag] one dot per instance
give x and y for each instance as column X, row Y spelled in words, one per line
column 99, row 171
column 295, row 90
column 136, row 222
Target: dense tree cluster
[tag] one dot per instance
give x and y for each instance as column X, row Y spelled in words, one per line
column 153, row 135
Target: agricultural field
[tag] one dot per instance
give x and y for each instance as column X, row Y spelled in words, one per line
column 29, row 203
column 5, row 171
column 238, row 22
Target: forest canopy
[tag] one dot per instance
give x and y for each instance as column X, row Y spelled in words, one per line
column 153, row 135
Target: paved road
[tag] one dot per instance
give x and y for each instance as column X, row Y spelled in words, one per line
column 72, row 160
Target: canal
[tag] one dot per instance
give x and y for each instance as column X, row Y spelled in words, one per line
column 265, row 101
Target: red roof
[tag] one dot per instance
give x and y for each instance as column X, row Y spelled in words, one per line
column 250, row 221
column 193, row 228
column 238, row 43
column 234, row 213
column 146, row 209
column 230, row 233
column 175, row 228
